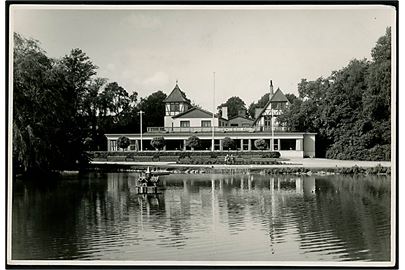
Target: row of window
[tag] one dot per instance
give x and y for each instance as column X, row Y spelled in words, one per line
column 204, row 123
column 207, row 123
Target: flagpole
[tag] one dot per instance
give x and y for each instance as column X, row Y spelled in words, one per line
column 140, row 124
column 213, row 113
column 272, row 128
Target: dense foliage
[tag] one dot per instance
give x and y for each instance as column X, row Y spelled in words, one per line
column 123, row 142
column 260, row 144
column 235, row 106
column 228, row 144
column 349, row 110
column 158, row 142
column 61, row 109
column 193, row 142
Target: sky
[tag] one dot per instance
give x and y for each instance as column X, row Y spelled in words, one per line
column 148, row 49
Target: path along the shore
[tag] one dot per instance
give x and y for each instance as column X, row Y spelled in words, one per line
column 298, row 163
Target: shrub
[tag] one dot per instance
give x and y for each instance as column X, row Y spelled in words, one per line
column 184, row 155
column 228, row 143
column 88, row 143
column 213, row 155
column 158, row 142
column 193, row 142
column 271, row 155
column 123, row 142
column 260, row 144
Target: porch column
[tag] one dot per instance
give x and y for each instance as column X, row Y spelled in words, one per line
column 241, row 144
column 221, row 145
column 184, row 145
column 298, row 145
column 108, row 145
column 249, row 145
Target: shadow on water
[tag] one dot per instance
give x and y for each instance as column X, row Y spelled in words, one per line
column 203, row 217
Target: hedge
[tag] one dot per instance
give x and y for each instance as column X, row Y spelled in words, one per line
column 337, row 170
column 216, row 154
column 237, row 161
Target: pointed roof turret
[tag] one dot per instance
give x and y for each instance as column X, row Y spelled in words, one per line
column 279, row 96
column 177, row 95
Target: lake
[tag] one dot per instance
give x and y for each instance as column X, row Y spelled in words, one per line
column 204, row 217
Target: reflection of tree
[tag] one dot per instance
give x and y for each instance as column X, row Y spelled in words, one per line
column 350, row 213
column 46, row 218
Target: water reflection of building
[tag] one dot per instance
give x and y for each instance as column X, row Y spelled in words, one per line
column 206, row 203
column 279, row 184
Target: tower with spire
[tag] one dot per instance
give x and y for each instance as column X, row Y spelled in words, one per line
column 175, row 103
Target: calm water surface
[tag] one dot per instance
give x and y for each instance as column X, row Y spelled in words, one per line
column 99, row 216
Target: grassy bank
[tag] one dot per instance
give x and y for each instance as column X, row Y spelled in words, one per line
column 377, row 170
column 232, row 169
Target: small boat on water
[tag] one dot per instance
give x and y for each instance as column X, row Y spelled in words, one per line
column 148, row 182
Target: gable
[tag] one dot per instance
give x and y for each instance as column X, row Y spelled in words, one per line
column 238, row 119
column 279, row 97
column 194, row 113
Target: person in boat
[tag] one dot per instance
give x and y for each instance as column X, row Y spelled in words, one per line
column 227, row 159
column 154, row 181
column 148, row 174
column 232, row 159
column 151, row 179
column 144, row 179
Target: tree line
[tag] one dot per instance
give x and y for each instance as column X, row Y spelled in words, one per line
column 61, row 109
column 350, row 110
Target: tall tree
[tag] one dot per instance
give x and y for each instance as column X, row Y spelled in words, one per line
column 350, row 110
column 377, row 98
column 259, row 104
column 33, row 111
column 154, row 109
column 73, row 76
column 235, row 105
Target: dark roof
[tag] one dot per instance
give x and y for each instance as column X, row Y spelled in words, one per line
column 177, row 96
column 195, row 113
column 277, row 97
column 244, row 117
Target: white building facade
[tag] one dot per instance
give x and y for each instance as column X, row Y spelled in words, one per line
column 181, row 121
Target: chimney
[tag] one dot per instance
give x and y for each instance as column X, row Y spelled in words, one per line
column 224, row 111
column 271, row 89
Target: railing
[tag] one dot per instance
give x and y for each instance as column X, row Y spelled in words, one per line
column 209, row 129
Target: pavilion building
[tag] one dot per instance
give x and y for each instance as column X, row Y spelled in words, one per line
column 182, row 121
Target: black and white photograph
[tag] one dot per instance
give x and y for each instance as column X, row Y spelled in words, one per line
column 202, row 135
